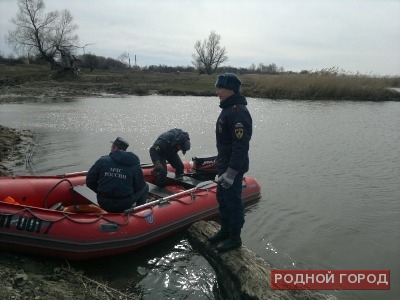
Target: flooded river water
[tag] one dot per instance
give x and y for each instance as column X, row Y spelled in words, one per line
column 329, row 171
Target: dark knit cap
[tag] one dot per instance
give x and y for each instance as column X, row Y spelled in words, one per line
column 228, row 81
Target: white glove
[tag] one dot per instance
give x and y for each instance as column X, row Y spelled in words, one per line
column 227, row 178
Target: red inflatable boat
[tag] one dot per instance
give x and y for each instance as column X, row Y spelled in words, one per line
column 55, row 215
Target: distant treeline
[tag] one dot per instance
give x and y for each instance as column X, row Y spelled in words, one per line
column 91, row 61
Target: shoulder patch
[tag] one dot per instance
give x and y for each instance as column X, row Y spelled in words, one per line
column 239, row 131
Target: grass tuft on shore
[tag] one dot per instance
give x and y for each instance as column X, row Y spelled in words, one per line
column 323, row 87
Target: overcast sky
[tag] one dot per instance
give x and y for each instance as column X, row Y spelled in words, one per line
column 353, row 35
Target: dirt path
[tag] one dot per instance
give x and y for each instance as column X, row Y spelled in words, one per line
column 25, row 277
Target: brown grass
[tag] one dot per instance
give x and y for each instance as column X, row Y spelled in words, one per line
column 320, row 85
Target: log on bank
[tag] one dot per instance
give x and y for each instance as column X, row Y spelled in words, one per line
column 241, row 274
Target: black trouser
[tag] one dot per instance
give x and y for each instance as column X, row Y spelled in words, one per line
column 175, row 161
column 115, row 205
column 230, row 203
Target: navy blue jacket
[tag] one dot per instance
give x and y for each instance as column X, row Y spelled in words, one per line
column 166, row 145
column 233, row 134
column 117, row 175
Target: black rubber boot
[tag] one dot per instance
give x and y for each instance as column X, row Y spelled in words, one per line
column 234, row 241
column 222, row 234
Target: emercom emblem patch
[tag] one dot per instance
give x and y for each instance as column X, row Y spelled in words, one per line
column 239, row 130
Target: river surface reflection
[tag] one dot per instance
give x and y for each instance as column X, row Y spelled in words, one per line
column 329, row 171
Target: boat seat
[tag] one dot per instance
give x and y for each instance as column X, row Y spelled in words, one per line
column 160, row 192
column 186, row 181
column 87, row 193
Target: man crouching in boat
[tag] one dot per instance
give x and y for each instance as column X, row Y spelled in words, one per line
column 165, row 149
column 118, row 179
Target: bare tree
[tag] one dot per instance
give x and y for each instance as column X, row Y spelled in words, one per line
column 50, row 36
column 209, row 54
column 125, row 58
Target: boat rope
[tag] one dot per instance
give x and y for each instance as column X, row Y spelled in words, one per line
column 99, row 217
column 76, row 218
column 53, row 188
column 122, row 219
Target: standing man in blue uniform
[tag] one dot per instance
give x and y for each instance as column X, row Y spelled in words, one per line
column 118, row 179
column 233, row 134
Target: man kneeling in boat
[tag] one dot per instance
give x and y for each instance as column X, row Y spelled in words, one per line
column 118, row 179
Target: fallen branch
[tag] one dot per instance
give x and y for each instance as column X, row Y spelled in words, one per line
column 110, row 292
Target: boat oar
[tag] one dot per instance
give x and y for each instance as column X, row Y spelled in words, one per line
column 146, row 165
column 201, row 186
